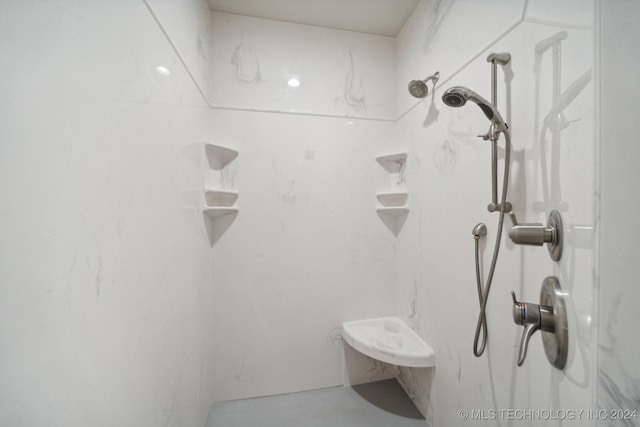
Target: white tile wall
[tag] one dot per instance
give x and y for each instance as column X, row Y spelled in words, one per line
column 341, row 73
column 117, row 295
column 306, row 252
column 618, row 370
column 188, row 27
column 443, row 35
column 449, row 182
column 105, row 272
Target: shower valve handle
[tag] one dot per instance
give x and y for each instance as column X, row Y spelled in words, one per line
column 533, row 317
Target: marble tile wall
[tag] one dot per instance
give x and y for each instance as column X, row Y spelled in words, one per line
column 105, row 270
column 307, row 244
column 145, row 320
column 120, row 294
column 553, row 167
column 341, row 73
column 306, row 252
column 444, row 35
column 618, row 380
column 187, row 26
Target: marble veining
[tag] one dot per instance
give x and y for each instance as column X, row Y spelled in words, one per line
column 445, row 156
column 377, row 368
column 618, row 392
column 414, row 314
column 418, row 384
column 246, row 67
column 200, row 49
column 354, row 87
column 436, row 16
column 618, row 379
column 401, row 176
column 339, row 73
column 334, row 338
column 616, row 235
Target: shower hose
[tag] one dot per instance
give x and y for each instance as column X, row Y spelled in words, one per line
column 483, row 295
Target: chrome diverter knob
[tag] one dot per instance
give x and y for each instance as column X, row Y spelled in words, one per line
column 538, row 234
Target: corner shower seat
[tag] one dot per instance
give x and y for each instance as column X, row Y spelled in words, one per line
column 390, row 340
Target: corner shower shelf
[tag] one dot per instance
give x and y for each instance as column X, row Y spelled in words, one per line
column 390, row 340
column 219, row 203
column 394, row 210
column 219, row 156
column 393, row 199
column 217, row 212
column 392, row 163
column 220, row 198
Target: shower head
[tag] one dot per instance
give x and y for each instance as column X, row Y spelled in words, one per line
column 457, row 96
column 419, row 89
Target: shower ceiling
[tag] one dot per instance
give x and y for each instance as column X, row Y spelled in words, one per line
column 382, row 17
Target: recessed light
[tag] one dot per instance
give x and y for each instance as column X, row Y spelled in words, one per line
column 293, row 82
column 163, row 71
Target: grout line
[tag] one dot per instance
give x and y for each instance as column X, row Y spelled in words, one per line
column 301, row 113
column 558, row 24
column 524, row 10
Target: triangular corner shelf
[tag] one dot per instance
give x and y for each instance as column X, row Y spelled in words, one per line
column 220, row 198
column 393, row 210
column 392, row 163
column 219, row 156
column 218, row 212
column 393, row 199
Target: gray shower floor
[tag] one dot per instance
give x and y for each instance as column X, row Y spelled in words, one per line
column 378, row 404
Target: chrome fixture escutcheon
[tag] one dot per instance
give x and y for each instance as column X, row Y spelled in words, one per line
column 550, row 317
column 556, row 343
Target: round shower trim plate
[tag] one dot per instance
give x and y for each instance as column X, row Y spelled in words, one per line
column 555, row 246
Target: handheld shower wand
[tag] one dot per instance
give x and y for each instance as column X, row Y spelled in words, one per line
column 458, row 96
